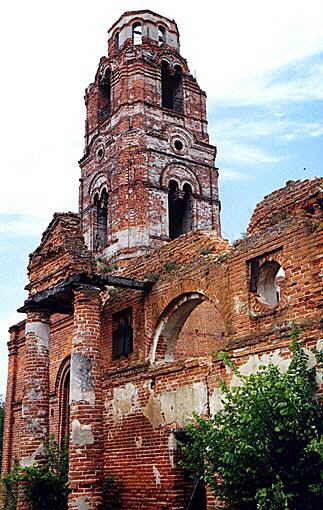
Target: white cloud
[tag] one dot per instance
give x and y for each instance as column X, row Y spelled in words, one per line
column 52, row 51
column 22, row 225
column 283, row 85
column 228, row 174
column 249, row 41
column 230, row 150
column 265, row 126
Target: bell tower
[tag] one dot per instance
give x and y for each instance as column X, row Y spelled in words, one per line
column 147, row 174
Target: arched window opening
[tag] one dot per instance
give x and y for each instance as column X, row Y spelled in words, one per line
column 105, row 96
column 136, row 34
column 101, row 227
column 116, row 41
column 161, row 36
column 64, row 405
column 172, row 88
column 271, row 279
column 180, row 210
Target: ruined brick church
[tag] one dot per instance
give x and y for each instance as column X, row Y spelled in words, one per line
column 130, row 299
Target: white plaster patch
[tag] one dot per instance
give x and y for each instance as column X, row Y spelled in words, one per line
column 29, row 461
column 179, row 405
column 311, row 362
column 252, row 365
column 215, row 401
column 157, row 476
column 239, row 305
column 125, row 400
column 35, row 393
column 81, row 379
column 138, row 441
column 41, row 332
column 128, row 238
column 153, row 411
column 172, row 447
column 254, row 362
column 81, row 433
column 82, row 503
column 319, row 345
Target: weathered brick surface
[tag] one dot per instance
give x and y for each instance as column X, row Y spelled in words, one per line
column 85, row 446
column 124, row 411
column 61, row 253
column 132, row 152
column 35, row 402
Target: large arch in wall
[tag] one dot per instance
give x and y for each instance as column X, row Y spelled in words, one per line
column 190, row 326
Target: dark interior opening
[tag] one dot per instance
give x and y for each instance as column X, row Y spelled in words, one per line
column 100, row 153
column 65, row 408
column 122, row 333
column 178, row 145
column 197, row 492
column 172, row 88
column 105, row 95
column 116, row 41
column 101, row 230
column 195, row 496
column 179, row 209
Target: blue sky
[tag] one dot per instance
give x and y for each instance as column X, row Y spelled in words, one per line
column 260, row 62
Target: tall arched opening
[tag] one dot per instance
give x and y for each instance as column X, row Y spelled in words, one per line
column 172, row 87
column 190, row 326
column 180, row 209
column 64, row 401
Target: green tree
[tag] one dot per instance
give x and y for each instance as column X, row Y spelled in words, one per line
column 264, row 449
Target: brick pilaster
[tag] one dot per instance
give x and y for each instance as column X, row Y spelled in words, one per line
column 9, row 416
column 86, row 454
column 35, row 403
column 36, row 387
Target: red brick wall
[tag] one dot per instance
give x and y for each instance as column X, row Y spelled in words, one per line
column 138, row 446
column 132, row 152
column 201, row 301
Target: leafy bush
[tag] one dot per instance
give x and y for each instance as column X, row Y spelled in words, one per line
column 264, row 449
column 45, row 485
column 10, row 483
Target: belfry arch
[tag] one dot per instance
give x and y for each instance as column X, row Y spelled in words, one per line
column 189, row 326
column 180, row 209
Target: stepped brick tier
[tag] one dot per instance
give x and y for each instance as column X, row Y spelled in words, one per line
column 130, row 300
